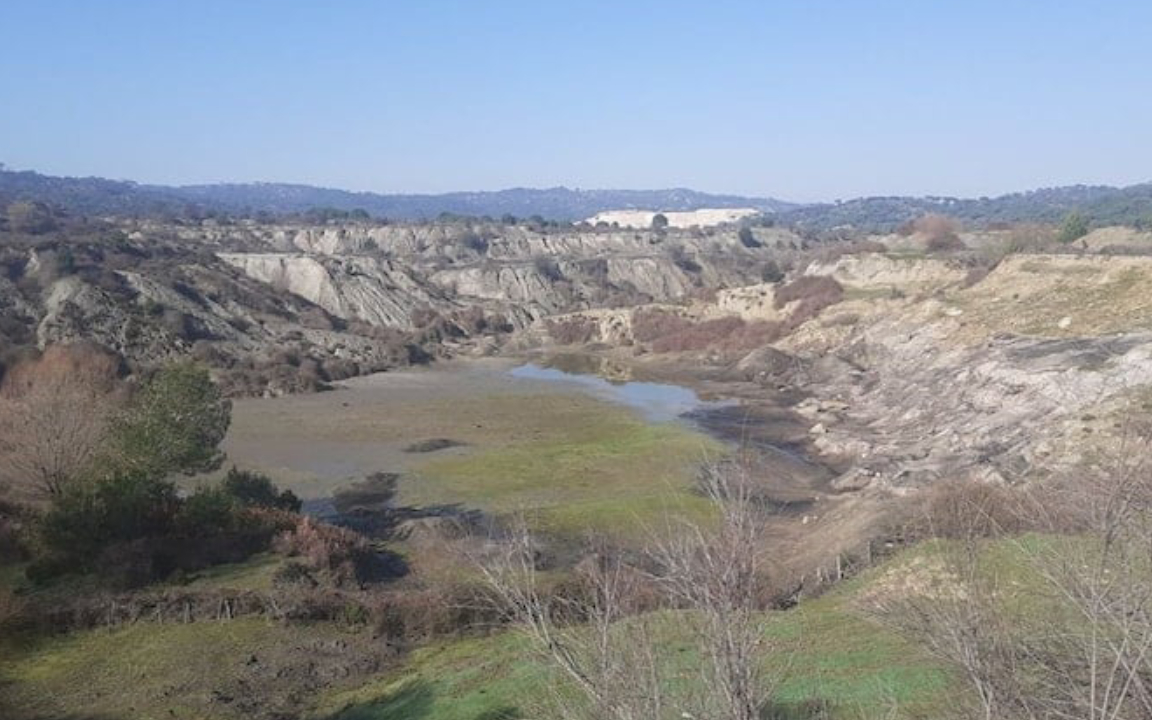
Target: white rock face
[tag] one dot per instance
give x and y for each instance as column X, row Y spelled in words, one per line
column 704, row 217
column 353, row 288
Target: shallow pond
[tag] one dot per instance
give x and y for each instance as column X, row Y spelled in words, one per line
column 656, row 402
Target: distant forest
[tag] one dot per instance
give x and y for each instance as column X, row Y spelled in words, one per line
column 1100, row 205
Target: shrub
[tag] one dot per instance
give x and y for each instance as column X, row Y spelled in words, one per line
column 344, row 554
column 252, row 489
column 548, row 267
column 818, row 289
column 651, row 324
column 1074, row 227
column 945, row 243
column 208, row 510
column 771, row 272
column 748, row 239
column 936, row 229
column 117, row 508
column 573, row 330
column 811, row 293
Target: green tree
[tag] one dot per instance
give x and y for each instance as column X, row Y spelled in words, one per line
column 175, row 424
column 659, row 221
column 1073, row 228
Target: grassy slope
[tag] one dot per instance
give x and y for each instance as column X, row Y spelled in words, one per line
column 824, row 651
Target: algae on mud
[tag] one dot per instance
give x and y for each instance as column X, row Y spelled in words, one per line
column 575, row 462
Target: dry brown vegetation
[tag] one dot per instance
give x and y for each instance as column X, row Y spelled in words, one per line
column 1063, row 630
column 667, row 331
column 54, row 413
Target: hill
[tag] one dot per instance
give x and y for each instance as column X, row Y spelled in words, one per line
column 99, row 196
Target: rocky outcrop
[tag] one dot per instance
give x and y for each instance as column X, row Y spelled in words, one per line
column 873, row 271
column 354, row 288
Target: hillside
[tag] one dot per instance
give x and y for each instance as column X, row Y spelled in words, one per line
column 1103, row 205
column 98, row 196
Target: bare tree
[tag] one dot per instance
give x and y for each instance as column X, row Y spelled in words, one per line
column 719, row 573
column 584, row 634
column 1099, row 663
column 602, row 642
column 54, row 413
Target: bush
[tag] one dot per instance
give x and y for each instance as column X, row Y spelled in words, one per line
column 938, row 229
column 344, row 554
column 573, row 330
column 818, row 289
column 669, row 332
column 1074, row 227
column 811, row 293
column 748, row 239
column 118, row 508
column 252, row 489
column 206, row 511
column 945, row 243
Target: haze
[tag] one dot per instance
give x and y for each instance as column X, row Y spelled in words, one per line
column 798, row 100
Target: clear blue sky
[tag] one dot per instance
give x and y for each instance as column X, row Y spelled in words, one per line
column 799, row 99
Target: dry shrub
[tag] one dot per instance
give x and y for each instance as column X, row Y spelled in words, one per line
column 670, row 332
column 446, row 610
column 726, row 334
column 573, row 330
column 945, row 243
column 929, row 226
column 1029, row 237
column 811, row 294
column 809, row 287
column 968, row 510
column 651, row 324
column 342, row 553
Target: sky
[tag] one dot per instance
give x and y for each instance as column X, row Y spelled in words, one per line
column 803, row 100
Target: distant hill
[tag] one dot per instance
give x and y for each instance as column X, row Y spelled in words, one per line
column 97, row 196
column 1103, row 205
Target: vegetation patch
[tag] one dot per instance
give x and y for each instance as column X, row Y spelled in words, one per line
column 609, row 473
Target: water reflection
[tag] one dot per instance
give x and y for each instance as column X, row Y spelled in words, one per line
column 657, row 402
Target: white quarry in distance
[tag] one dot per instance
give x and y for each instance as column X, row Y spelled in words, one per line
column 704, row 217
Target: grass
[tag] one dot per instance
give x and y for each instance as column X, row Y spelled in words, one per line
column 1032, row 295
column 827, row 651
column 824, row 653
column 148, row 670
column 609, row 473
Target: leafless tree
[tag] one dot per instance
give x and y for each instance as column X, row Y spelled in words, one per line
column 608, row 649
column 584, row 633
column 719, row 573
column 1099, row 663
column 54, row 412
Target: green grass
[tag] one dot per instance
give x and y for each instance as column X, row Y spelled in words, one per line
column 146, row 671
column 611, row 473
column 825, row 651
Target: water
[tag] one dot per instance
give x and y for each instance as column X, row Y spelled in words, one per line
column 656, row 402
